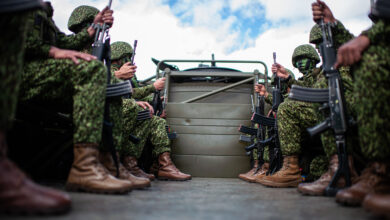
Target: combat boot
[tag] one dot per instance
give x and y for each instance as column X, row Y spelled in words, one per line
column 250, row 175
column 378, row 204
column 108, row 162
column 288, row 176
column 371, row 177
column 20, row 195
column 89, row 175
column 168, row 171
column 317, row 188
column 131, row 165
column 261, row 172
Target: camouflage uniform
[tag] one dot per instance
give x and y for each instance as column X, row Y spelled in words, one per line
column 340, row 36
column 123, row 51
column 50, row 81
column 81, row 19
column 151, row 129
column 11, row 63
column 372, row 82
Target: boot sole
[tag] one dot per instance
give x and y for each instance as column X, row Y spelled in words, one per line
column 142, row 186
column 78, row 188
column 167, row 179
column 348, row 202
column 280, row 185
column 40, row 212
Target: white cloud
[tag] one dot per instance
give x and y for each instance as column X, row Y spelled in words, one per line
column 163, row 35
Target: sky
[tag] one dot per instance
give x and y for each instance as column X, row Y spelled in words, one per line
column 229, row 29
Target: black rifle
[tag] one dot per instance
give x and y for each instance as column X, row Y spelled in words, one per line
column 275, row 154
column 334, row 101
column 102, row 50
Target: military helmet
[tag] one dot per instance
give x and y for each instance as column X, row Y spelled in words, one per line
column 120, row 49
column 306, row 51
column 380, row 9
column 81, row 17
column 315, row 35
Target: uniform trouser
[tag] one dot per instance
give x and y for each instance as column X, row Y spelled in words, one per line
column 150, row 129
column 372, row 83
column 115, row 109
column 81, row 88
column 11, row 63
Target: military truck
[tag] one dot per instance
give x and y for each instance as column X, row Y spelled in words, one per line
column 205, row 107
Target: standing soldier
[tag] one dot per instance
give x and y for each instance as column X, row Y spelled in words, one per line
column 18, row 194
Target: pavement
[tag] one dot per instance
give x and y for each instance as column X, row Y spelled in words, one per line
column 205, row 198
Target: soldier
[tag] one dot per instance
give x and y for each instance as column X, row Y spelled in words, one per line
column 369, row 53
column 81, row 18
column 18, row 194
column 56, row 73
column 293, row 116
column 340, row 35
column 152, row 129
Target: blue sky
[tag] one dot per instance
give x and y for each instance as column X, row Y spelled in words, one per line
column 231, row 29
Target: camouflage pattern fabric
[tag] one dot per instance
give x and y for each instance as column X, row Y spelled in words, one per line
column 340, row 34
column 293, row 119
column 80, row 87
column 305, row 51
column 82, row 17
column 116, row 120
column 144, row 93
column 372, row 83
column 152, row 129
column 11, row 63
column 318, row 166
column 120, row 49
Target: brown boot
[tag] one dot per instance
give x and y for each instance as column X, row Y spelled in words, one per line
column 371, row 176
column 288, row 176
column 89, row 175
column 249, row 176
column 317, row 188
column 108, row 162
column 168, row 170
column 261, row 172
column 131, row 165
column 378, row 204
column 19, row 195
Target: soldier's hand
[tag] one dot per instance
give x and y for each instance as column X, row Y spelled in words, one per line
column 159, row 84
column 104, row 16
column 57, row 53
column 163, row 114
column 280, row 71
column 126, row 71
column 260, row 88
column 351, row 52
column 321, row 10
column 146, row 105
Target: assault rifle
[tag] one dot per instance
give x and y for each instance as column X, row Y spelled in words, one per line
column 102, row 50
column 334, row 101
column 275, row 154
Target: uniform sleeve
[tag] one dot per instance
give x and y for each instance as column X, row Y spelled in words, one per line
column 75, row 41
column 268, row 98
column 35, row 47
column 142, row 92
column 379, row 32
column 340, row 34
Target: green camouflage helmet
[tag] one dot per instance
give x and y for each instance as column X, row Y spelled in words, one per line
column 306, row 51
column 120, row 50
column 81, row 17
column 315, row 35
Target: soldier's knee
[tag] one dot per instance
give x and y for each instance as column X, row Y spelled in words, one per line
column 94, row 71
